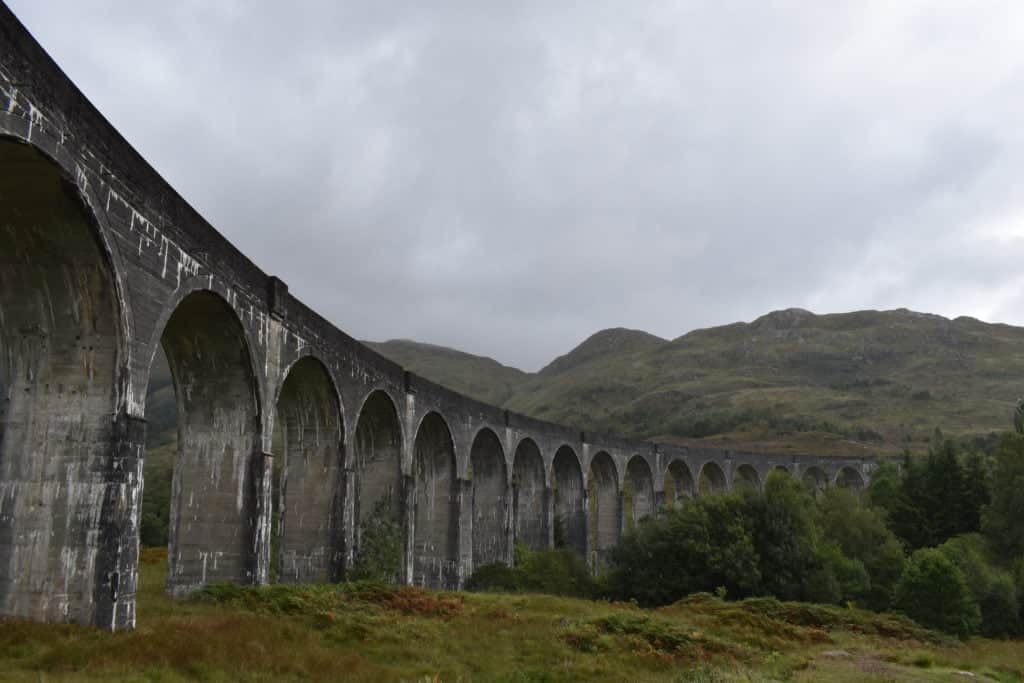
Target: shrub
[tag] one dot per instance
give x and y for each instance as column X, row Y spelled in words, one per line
column 933, row 592
column 379, row 557
column 557, row 572
column 1000, row 608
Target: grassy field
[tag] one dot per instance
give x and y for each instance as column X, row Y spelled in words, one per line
column 374, row 633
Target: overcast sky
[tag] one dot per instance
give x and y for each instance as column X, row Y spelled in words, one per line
column 509, row 177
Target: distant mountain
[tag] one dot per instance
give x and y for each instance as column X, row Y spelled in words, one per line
column 868, row 381
column 482, row 378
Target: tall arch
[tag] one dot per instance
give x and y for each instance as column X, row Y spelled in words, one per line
column 640, row 489
column 489, row 484
column 435, row 555
column 570, row 522
column 605, row 511
column 311, row 460
column 214, row 507
column 377, row 461
column 849, row 477
column 712, row 479
column 529, row 496
column 61, row 337
column 815, row 480
column 746, row 477
column 679, row 484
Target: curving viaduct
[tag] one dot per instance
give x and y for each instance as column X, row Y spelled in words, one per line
column 101, row 262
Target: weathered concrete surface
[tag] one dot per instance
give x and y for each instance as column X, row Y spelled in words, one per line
column 435, row 556
column 310, row 516
column 101, row 262
column 605, row 498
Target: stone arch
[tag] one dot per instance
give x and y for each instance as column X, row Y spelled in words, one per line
column 62, row 377
column 711, row 480
column 570, row 521
column 783, row 469
column 311, row 463
column 489, row 485
column 849, row 477
column 377, row 466
column 435, row 555
column 815, row 480
column 746, row 477
column 679, row 484
column 529, row 496
column 638, row 490
column 215, row 531
column 605, row 507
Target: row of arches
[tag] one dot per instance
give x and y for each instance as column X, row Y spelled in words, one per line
column 66, row 369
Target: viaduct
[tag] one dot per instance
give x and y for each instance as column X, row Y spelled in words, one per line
column 101, row 262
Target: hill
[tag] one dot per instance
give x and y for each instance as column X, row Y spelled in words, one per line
column 862, row 382
column 482, row 378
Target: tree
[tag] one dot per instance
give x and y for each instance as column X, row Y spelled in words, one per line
column 700, row 546
column 1002, row 517
column 861, row 534
column 933, row 592
column 786, row 536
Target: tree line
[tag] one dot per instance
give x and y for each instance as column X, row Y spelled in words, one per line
column 939, row 538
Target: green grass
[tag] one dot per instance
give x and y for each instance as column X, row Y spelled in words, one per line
column 373, row 632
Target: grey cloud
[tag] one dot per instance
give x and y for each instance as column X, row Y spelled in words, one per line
column 509, row 178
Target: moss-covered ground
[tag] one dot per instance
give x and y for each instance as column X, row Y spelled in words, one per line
column 368, row 632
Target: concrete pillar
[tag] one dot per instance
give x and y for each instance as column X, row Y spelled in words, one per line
column 118, row 549
column 624, row 514
column 408, row 517
column 263, row 488
column 510, row 524
column 549, row 515
column 659, row 502
column 348, row 519
column 465, row 505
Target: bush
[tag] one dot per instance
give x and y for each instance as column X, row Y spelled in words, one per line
column 379, row 557
column 934, row 592
column 992, row 588
column 557, row 572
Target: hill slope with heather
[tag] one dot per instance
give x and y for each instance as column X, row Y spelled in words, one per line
column 868, row 381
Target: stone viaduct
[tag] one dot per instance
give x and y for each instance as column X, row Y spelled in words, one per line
column 101, row 262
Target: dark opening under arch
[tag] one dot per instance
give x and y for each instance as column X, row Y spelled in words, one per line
column 213, row 517
column 712, row 479
column 570, row 521
column 379, row 523
column 529, row 497
column 605, row 512
column 60, row 336
column 435, row 555
column 679, row 484
column 310, row 538
column 489, row 484
column 639, row 490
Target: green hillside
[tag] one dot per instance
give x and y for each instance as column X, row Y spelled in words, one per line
column 863, row 382
column 482, row 378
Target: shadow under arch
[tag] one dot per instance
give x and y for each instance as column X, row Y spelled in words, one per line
column 711, row 479
column 215, row 533
column 605, row 508
column 309, row 458
column 570, row 521
column 679, row 485
column 489, row 484
column 378, row 504
column 849, row 478
column 529, row 496
column 63, row 369
column 435, row 554
column 638, row 491
column 746, row 477
column 815, row 480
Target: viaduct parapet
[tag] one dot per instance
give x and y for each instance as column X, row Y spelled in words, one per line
column 101, row 262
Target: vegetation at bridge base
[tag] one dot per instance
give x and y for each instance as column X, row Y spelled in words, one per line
column 939, row 539
column 370, row 631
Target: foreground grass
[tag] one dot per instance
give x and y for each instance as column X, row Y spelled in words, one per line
column 367, row 632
